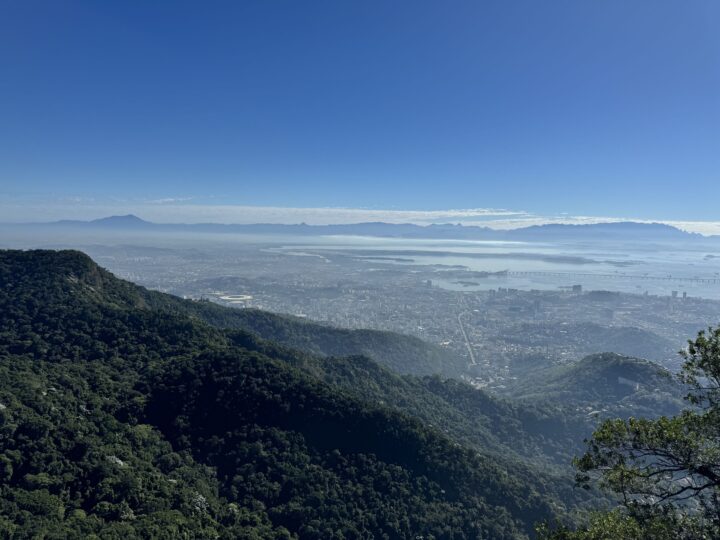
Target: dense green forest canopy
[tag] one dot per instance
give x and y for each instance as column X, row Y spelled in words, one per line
column 128, row 413
column 401, row 353
column 611, row 385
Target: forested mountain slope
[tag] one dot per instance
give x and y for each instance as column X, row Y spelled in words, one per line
column 545, row 434
column 122, row 416
column 401, row 353
column 608, row 384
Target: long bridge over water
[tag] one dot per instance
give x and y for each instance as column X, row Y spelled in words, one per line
column 705, row 280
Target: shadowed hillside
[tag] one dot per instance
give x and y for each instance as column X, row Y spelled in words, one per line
column 123, row 415
column 606, row 384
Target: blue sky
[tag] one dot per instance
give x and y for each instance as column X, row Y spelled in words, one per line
column 605, row 108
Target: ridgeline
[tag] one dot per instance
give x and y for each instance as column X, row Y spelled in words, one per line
column 127, row 413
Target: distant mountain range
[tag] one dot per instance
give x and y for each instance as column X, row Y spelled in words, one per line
column 624, row 230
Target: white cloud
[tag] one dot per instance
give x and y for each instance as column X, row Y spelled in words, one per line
column 314, row 216
column 170, row 200
column 706, row 228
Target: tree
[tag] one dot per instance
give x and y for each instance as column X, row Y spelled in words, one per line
column 666, row 472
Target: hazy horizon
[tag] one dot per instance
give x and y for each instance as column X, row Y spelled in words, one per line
column 173, row 211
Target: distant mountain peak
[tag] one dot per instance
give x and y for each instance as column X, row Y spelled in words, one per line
column 121, row 222
column 128, row 218
column 621, row 229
